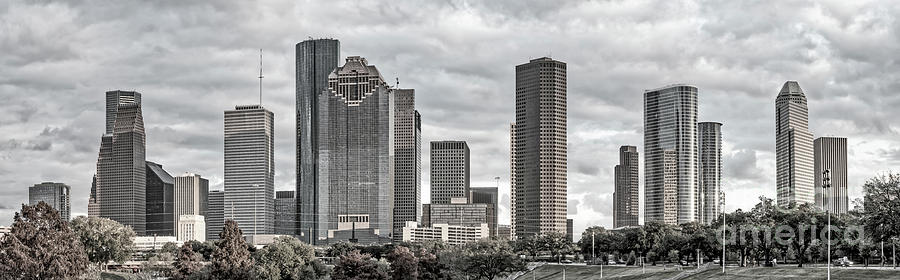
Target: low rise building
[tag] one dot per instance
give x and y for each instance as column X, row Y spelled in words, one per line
column 191, row 227
column 450, row 234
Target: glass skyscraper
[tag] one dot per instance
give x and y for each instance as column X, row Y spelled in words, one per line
column 315, row 60
column 793, row 147
column 121, row 166
column 54, row 194
column 670, row 154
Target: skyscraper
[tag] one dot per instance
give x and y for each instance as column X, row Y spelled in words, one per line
column 121, row 164
column 285, row 213
column 355, row 155
column 540, row 147
column 831, row 155
column 54, row 194
column 407, row 168
column 487, row 195
column 710, row 164
column 670, row 154
column 449, row 171
column 160, row 201
column 626, row 198
column 793, row 147
column 316, row 58
column 191, row 196
column 93, row 205
column 215, row 220
column 250, row 168
column 512, row 179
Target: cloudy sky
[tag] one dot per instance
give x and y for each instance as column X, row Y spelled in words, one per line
column 193, row 61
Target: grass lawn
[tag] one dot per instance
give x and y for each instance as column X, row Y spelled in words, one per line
column 579, row 272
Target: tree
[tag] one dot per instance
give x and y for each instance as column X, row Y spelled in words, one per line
column 528, row 246
column 41, row 245
column 404, row 264
column 231, row 259
column 339, row 249
column 555, row 243
column 881, row 203
column 188, row 262
column 357, row 266
column 638, row 240
column 762, row 216
column 430, row 267
column 205, row 248
column 104, row 240
column 800, row 239
column 486, row 259
column 288, row 258
column 598, row 241
column 698, row 237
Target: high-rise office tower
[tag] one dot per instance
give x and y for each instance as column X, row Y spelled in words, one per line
column 250, row 169
column 316, row 58
column 449, row 171
column 355, row 155
column 793, row 147
column 487, row 195
column 215, row 220
column 670, row 154
column 512, row 179
column 121, row 164
column 710, row 169
column 93, row 206
column 285, row 213
column 831, row 154
column 626, row 198
column 540, row 147
column 113, row 100
column 160, row 201
column 191, row 227
column 407, row 169
column 191, row 195
column 54, row 194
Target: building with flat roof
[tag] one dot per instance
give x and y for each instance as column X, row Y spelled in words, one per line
column 191, row 227
column 670, row 154
column 449, row 234
column 250, row 168
column 54, row 194
column 831, row 155
column 539, row 148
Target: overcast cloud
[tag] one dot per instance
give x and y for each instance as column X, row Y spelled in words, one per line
column 193, row 61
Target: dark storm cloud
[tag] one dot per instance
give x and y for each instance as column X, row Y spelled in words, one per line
column 194, row 60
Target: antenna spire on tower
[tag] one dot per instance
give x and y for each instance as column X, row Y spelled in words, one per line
column 260, row 76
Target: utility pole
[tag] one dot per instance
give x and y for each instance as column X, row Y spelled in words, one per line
column 826, row 184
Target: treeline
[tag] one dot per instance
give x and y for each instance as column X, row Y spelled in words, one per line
column 764, row 234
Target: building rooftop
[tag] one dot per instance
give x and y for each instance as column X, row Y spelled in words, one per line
column 791, row 88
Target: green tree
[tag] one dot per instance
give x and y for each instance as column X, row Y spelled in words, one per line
column 598, row 241
column 762, row 217
column 188, row 262
column 205, row 248
column 404, row 264
column 231, row 259
column 104, row 240
column 41, row 245
column 486, row 259
column 357, row 266
column 637, row 240
column 288, row 258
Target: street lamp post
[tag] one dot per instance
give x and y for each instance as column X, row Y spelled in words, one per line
column 826, row 184
column 722, row 204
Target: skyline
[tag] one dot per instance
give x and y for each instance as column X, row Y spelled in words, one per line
column 54, row 115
